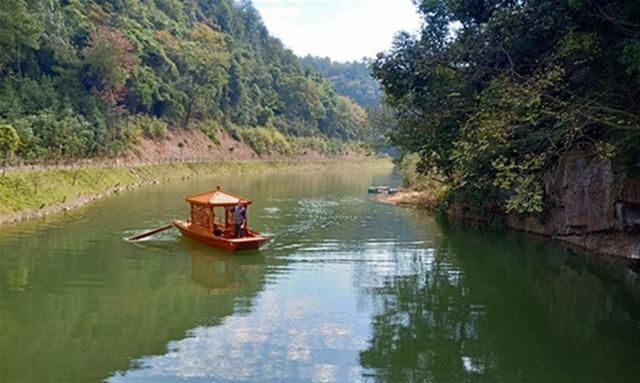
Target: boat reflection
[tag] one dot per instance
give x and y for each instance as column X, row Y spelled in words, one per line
column 221, row 274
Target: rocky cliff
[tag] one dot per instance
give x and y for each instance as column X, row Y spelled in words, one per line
column 589, row 204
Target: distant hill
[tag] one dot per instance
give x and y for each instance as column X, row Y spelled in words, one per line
column 88, row 78
column 351, row 79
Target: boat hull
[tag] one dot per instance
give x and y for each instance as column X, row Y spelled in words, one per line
column 251, row 242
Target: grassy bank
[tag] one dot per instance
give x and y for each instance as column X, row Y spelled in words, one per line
column 27, row 194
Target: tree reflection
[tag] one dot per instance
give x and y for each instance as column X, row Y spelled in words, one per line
column 427, row 326
column 506, row 310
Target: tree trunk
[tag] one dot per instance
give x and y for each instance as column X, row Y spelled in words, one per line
column 187, row 118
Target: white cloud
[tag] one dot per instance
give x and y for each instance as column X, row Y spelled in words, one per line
column 343, row 30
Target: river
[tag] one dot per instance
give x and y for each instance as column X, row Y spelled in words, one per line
column 348, row 290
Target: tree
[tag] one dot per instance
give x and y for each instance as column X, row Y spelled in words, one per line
column 20, row 29
column 9, row 142
column 109, row 60
column 493, row 93
column 351, row 79
column 204, row 63
column 105, row 68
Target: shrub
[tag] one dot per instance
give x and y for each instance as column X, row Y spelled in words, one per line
column 325, row 146
column 265, row 141
column 414, row 178
column 9, row 142
column 53, row 135
column 408, row 166
column 234, row 132
column 211, row 128
column 151, row 127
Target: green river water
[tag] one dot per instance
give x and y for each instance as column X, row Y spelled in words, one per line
column 348, row 290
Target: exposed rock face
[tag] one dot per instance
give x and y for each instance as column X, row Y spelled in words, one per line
column 581, row 190
column 631, row 191
column 627, row 217
column 589, row 205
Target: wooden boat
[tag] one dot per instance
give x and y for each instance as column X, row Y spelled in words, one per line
column 202, row 225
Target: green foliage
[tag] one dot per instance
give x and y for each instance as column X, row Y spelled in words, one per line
column 19, row 32
column 95, row 64
column 408, row 166
column 211, row 129
column 304, row 145
column 631, row 57
column 265, row 141
column 523, row 179
column 381, row 123
column 493, row 93
column 109, row 61
column 9, row 142
column 149, row 127
column 429, row 183
column 351, row 79
column 328, row 147
column 269, row 141
column 204, row 61
column 172, row 8
column 54, row 135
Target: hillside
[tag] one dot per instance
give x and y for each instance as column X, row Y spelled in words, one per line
column 351, row 79
column 81, row 79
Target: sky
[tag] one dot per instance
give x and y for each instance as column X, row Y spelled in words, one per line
column 343, row 30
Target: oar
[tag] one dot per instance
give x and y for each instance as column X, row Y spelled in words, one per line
column 151, row 232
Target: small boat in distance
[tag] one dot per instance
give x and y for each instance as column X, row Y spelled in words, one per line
column 202, row 225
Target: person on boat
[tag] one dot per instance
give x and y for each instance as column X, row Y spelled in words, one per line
column 239, row 219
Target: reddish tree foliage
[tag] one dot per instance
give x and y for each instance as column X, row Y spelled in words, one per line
column 110, row 58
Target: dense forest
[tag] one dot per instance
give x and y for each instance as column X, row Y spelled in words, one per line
column 86, row 78
column 355, row 80
column 493, row 93
column 351, row 79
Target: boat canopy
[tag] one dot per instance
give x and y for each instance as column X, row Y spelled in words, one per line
column 217, row 197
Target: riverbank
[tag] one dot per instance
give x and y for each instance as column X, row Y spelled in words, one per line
column 186, row 146
column 409, row 198
column 611, row 244
column 27, row 194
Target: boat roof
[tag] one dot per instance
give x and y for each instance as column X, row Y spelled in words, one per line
column 218, row 197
